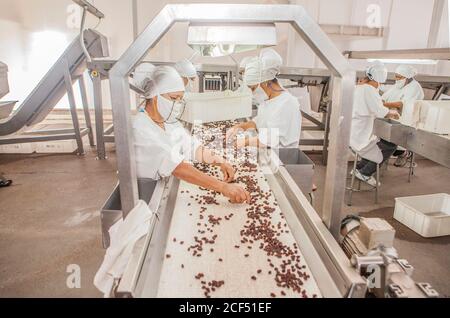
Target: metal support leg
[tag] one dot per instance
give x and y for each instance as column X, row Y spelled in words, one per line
column 87, row 115
column 73, row 109
column 352, row 183
column 377, row 183
column 411, row 167
column 99, row 128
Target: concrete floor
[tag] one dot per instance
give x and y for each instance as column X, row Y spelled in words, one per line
column 50, row 220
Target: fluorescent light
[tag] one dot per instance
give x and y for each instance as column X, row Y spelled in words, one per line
column 405, row 61
column 226, row 39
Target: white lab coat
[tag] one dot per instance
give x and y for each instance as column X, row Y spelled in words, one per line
column 123, row 237
column 158, row 151
column 408, row 95
column 367, row 105
column 279, row 122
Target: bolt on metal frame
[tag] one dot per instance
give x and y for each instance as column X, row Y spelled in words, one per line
column 343, row 83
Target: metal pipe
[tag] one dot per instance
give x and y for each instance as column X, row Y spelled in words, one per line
column 83, row 45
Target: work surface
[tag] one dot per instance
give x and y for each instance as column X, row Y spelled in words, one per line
column 217, row 249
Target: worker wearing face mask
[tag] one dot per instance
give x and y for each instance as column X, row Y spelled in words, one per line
column 188, row 73
column 402, row 96
column 164, row 148
column 405, row 92
column 367, row 106
column 278, row 122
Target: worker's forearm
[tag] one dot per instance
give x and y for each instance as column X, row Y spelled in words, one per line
column 206, row 155
column 247, row 125
column 397, row 105
column 190, row 174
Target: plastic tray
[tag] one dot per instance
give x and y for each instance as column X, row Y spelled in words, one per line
column 427, row 215
column 217, row 106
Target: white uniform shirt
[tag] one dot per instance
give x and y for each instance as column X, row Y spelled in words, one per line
column 279, row 122
column 158, row 151
column 367, row 105
column 408, row 95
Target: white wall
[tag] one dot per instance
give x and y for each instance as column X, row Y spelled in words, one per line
column 34, row 33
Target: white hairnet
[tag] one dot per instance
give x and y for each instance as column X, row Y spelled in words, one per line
column 244, row 61
column 164, row 79
column 186, row 69
column 406, row 71
column 258, row 71
column 377, row 72
column 142, row 74
column 271, row 59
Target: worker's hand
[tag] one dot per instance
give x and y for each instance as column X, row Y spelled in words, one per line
column 393, row 114
column 228, row 172
column 241, row 142
column 235, row 193
column 232, row 132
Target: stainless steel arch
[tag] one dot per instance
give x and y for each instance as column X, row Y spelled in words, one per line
column 342, row 96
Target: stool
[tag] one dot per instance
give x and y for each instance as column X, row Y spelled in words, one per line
column 352, row 189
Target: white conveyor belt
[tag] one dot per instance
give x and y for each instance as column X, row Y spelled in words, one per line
column 227, row 260
column 201, row 245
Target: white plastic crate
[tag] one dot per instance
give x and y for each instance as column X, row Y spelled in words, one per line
column 217, row 106
column 18, row 148
column 59, row 146
column 432, row 116
column 427, row 215
column 4, row 87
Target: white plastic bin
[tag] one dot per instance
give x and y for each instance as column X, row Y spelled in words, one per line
column 433, row 116
column 217, row 106
column 427, row 215
column 4, row 87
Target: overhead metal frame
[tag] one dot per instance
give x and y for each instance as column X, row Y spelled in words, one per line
column 343, row 84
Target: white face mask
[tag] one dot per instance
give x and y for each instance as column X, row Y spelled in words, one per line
column 170, row 111
column 260, row 95
column 400, row 83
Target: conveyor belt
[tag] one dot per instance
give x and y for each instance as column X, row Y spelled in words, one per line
column 234, row 245
column 201, row 245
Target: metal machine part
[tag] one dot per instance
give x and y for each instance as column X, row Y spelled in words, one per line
column 59, row 80
column 90, row 8
column 329, row 265
column 342, row 86
column 386, row 274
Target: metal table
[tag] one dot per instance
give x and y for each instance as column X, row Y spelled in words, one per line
column 426, row 144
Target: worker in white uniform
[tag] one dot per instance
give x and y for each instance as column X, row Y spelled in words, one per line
column 402, row 96
column 278, row 122
column 164, row 148
column 188, row 73
column 367, row 106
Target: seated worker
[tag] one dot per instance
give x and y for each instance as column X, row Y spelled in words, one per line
column 402, row 96
column 367, row 106
column 278, row 122
column 164, row 148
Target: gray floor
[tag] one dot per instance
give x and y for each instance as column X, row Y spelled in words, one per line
column 50, row 220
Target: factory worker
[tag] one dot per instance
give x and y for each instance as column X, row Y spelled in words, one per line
column 188, row 72
column 402, row 96
column 405, row 92
column 164, row 148
column 368, row 105
column 278, row 122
